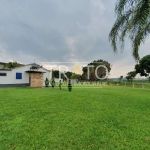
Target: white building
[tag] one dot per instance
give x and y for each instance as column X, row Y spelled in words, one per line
column 30, row 75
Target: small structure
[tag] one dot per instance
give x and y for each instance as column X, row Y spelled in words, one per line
column 32, row 75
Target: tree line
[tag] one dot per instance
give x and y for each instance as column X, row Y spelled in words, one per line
column 88, row 73
column 142, row 68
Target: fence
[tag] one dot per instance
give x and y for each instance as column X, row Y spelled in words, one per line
column 108, row 83
column 128, row 84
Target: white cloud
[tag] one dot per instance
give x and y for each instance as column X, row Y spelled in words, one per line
column 121, row 68
column 98, row 4
column 4, row 57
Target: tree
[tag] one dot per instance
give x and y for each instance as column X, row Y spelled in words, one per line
column 46, row 82
column 120, row 78
column 101, row 72
column 143, row 68
column 75, row 76
column 68, row 74
column 130, row 76
column 53, row 83
column 60, row 84
column 133, row 19
column 12, row 65
column 55, row 73
column 69, row 86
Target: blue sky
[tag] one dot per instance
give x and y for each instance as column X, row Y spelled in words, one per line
column 62, row 30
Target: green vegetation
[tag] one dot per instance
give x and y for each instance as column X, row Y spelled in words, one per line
column 87, row 118
column 60, row 84
column 69, row 85
column 10, row 65
column 143, row 68
column 53, row 83
column 96, row 66
column 55, row 74
column 132, row 22
column 76, row 76
column 46, row 82
column 120, row 78
column 130, row 76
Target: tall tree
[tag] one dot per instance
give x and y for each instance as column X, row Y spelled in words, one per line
column 133, row 19
column 101, row 72
column 143, row 68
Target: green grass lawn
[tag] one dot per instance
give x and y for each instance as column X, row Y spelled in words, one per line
column 86, row 118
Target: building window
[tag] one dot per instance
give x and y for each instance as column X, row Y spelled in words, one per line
column 3, row 74
column 18, row 75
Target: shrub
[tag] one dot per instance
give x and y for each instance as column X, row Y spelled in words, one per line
column 69, row 85
column 60, row 84
column 46, row 82
column 53, row 83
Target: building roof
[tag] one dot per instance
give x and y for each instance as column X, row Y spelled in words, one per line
column 36, row 71
column 22, row 65
column 38, row 65
column 2, row 63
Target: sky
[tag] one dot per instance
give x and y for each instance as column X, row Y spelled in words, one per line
column 62, row 31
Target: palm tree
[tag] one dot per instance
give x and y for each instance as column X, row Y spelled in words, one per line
column 133, row 20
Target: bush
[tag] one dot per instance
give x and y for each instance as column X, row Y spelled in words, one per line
column 69, row 85
column 53, row 83
column 46, row 82
column 60, row 84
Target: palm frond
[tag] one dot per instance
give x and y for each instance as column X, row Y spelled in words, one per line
column 133, row 19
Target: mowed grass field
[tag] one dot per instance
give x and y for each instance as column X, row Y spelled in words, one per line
column 86, row 118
